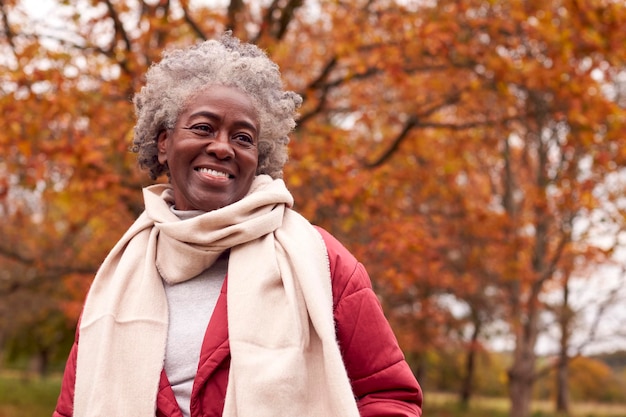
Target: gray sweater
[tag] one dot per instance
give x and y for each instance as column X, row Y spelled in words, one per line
column 191, row 305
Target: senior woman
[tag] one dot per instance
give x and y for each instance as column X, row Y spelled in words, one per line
column 220, row 300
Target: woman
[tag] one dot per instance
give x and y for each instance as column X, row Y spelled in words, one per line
column 220, row 299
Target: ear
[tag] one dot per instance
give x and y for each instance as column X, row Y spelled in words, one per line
column 162, row 146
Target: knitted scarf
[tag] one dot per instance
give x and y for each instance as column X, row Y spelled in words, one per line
column 284, row 355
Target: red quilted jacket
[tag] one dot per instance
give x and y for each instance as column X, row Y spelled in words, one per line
column 381, row 380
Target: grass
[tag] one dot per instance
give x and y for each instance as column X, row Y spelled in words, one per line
column 28, row 396
column 446, row 405
column 23, row 396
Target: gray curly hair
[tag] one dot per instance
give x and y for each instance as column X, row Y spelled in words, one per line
column 226, row 61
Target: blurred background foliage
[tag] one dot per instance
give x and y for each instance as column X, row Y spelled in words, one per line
column 470, row 153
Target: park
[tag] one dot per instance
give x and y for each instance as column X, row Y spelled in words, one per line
column 471, row 154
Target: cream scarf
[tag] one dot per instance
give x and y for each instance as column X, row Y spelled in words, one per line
column 284, row 355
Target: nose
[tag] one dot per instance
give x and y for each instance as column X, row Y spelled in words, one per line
column 220, row 146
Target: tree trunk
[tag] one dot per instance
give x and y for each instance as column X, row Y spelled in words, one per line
column 470, row 365
column 41, row 362
column 562, row 371
column 521, row 378
column 522, row 371
column 562, row 392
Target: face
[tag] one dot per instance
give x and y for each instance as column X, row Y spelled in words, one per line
column 212, row 151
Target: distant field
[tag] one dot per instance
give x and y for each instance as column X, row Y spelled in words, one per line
column 35, row 397
column 441, row 404
column 27, row 397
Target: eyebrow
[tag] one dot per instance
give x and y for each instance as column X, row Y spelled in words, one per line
column 213, row 116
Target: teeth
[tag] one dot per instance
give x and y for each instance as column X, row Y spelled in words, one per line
column 213, row 172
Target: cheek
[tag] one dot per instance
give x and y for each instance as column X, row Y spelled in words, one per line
column 254, row 165
column 254, row 159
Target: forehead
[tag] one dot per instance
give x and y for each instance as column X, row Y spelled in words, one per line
column 223, row 96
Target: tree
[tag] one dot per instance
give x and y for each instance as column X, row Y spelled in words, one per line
column 452, row 146
column 571, row 346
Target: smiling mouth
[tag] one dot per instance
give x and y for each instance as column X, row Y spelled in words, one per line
column 214, row 173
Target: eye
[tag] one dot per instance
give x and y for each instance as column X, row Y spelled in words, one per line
column 202, row 129
column 244, row 138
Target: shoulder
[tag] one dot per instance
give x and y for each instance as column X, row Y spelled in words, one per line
column 333, row 245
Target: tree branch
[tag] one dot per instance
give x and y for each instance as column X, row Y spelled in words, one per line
column 612, row 297
column 276, row 19
column 7, row 27
column 318, row 84
column 395, row 144
column 330, row 65
column 266, row 23
column 411, row 123
column 119, row 27
column 190, row 21
column 234, row 8
column 286, row 16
